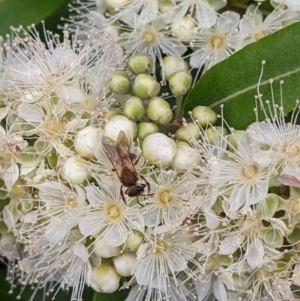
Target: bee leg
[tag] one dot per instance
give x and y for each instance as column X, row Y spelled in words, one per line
column 147, row 184
column 136, row 158
column 137, row 198
column 122, row 194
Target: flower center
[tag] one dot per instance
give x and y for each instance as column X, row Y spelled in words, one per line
column 149, row 36
column 52, row 129
column 217, row 42
column 294, row 208
column 260, row 35
column 113, row 212
column 249, row 226
column 290, row 151
column 161, row 247
column 90, row 103
column 71, row 203
column 250, row 171
column 165, row 197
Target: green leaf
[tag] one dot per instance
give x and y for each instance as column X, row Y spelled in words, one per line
column 116, row 296
column 233, row 82
column 25, row 12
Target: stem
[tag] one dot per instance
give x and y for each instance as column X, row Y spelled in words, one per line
column 178, row 113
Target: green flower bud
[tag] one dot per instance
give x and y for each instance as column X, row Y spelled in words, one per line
column 174, row 64
column 120, row 83
column 204, row 115
column 134, row 108
column 235, row 138
column 214, row 134
column 187, row 133
column 159, row 110
column 118, row 123
column 112, row 113
column 159, row 149
column 105, row 279
column 140, row 64
column 133, row 241
column 180, row 82
column 146, row 128
column 183, row 29
column 145, row 86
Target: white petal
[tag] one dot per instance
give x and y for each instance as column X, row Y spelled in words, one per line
column 219, row 291
column 81, row 251
column 230, row 244
column 30, row 113
column 115, row 236
column 11, row 175
column 255, row 254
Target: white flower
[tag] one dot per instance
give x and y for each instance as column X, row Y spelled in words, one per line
column 161, row 258
column 49, row 121
column 253, row 27
column 203, row 12
column 240, row 177
column 214, row 44
column 291, row 4
column 153, row 39
column 58, row 212
column 108, row 217
column 38, row 67
column 67, row 264
column 172, row 199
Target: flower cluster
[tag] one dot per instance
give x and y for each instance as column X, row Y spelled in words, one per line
column 104, row 184
column 193, row 29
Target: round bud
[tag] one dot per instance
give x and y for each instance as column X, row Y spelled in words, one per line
column 120, row 83
column 186, row 158
column 235, row 138
column 105, row 278
column 146, row 128
column 125, row 264
column 180, row 82
column 139, row 64
column 187, row 132
column 134, row 108
column 120, row 123
column 159, row 111
column 145, row 86
column 173, row 64
column 86, row 141
column 133, row 241
column 112, row 113
column 116, row 4
column 159, row 149
column 183, row 29
column 214, row 134
column 204, row 115
column 102, row 249
column 74, row 170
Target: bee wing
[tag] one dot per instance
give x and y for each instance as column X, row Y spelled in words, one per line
column 112, row 152
column 124, row 151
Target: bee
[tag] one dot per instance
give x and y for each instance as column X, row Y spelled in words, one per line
column 124, row 165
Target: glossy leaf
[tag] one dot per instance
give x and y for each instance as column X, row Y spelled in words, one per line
column 233, row 82
column 25, row 12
